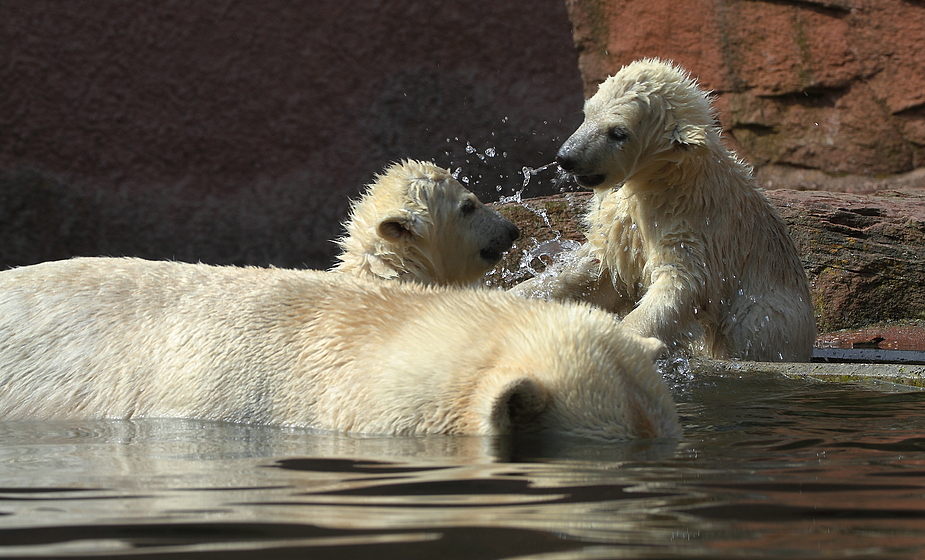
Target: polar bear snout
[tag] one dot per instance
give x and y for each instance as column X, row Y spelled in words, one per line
column 500, row 243
column 571, row 158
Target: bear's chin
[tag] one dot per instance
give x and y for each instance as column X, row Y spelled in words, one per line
column 590, row 181
column 491, row 256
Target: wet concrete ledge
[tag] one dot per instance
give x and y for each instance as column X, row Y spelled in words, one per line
column 905, row 375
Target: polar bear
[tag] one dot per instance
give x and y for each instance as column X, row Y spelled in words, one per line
column 416, row 222
column 125, row 338
column 680, row 244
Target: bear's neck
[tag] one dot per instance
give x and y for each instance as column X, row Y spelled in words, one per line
column 385, row 263
column 693, row 174
column 685, row 194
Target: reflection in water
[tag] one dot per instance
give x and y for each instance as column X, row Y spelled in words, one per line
column 768, row 468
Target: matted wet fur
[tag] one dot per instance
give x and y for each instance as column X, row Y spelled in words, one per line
column 127, row 338
column 680, row 244
column 416, row 222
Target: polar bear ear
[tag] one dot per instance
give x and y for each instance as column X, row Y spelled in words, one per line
column 685, row 136
column 399, row 226
column 393, row 229
column 511, row 401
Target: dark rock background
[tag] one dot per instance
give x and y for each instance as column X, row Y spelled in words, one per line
column 234, row 132
column 836, row 86
column 864, row 255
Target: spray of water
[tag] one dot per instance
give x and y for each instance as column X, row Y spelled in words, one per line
column 676, row 371
column 536, row 251
column 542, row 251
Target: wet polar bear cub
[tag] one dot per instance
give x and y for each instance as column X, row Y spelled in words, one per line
column 679, row 242
column 126, row 338
column 417, row 223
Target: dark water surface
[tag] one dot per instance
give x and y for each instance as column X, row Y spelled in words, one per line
column 769, row 467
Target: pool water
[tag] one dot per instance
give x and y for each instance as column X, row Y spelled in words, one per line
column 769, row 467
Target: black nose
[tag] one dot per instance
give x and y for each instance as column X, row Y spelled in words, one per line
column 565, row 160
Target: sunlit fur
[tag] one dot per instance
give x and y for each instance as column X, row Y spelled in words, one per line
column 680, row 243
column 126, row 338
column 411, row 224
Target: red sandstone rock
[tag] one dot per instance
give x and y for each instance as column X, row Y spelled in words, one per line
column 902, row 335
column 834, row 85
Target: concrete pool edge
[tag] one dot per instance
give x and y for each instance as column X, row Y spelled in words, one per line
column 912, row 376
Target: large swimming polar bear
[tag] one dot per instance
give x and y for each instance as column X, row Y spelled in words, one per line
column 415, row 222
column 679, row 242
column 126, row 338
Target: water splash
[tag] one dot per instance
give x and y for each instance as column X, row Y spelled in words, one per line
column 536, row 251
column 555, row 249
column 473, row 179
column 676, row 371
column 558, row 250
column 528, row 173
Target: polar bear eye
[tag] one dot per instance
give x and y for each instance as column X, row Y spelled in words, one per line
column 618, row 134
column 467, row 207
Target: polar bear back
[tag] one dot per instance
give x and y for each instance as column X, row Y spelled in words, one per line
column 123, row 338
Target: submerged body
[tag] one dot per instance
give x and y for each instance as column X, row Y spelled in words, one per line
column 125, row 338
column 680, row 244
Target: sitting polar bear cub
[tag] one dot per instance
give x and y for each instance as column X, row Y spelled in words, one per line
column 680, row 243
column 126, row 338
column 416, row 222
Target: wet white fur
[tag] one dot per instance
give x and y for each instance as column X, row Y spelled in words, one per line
column 679, row 242
column 410, row 225
column 127, row 338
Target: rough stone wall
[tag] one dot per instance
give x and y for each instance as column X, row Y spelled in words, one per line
column 833, row 85
column 234, row 132
column 864, row 255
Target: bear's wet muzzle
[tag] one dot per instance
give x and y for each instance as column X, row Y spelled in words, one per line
column 568, row 160
column 500, row 244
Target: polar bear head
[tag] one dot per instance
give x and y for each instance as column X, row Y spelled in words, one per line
column 416, row 222
column 486, row 362
column 649, row 115
column 579, row 375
